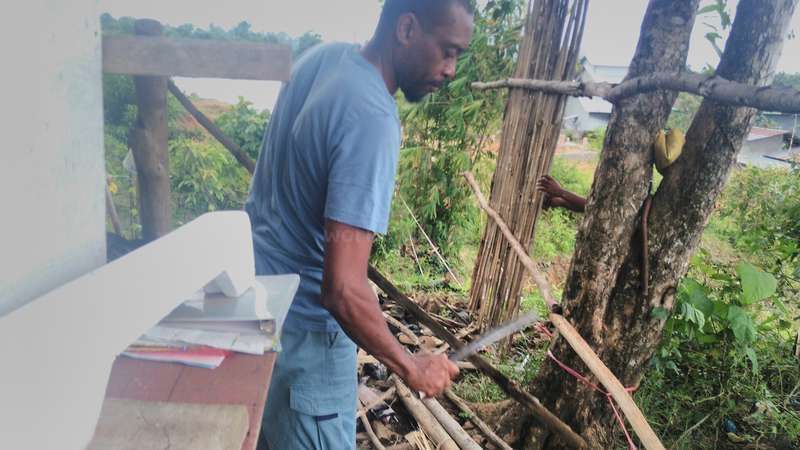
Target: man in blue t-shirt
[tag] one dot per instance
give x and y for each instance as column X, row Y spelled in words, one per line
column 322, row 189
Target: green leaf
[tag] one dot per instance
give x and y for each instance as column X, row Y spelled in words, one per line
column 741, row 324
column 707, row 9
column 694, row 315
column 751, row 355
column 696, row 295
column 756, row 284
column 659, row 313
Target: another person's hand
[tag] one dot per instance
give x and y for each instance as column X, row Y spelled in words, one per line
column 549, row 186
column 430, row 374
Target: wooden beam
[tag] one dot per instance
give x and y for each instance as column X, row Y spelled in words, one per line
column 202, row 58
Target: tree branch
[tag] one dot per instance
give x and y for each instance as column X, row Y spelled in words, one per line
column 226, row 142
column 765, row 98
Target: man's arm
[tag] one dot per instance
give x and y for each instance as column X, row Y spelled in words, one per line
column 346, row 293
column 556, row 196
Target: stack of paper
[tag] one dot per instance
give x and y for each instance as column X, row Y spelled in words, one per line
column 204, row 329
column 195, row 356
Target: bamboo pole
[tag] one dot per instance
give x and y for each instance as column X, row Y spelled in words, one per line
column 403, row 329
column 566, row 330
column 450, row 425
column 371, row 433
column 425, row 418
column 485, row 429
column 549, row 49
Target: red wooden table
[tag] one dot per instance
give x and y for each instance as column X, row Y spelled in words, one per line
column 240, row 380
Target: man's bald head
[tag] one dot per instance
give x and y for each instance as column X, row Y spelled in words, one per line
column 429, row 12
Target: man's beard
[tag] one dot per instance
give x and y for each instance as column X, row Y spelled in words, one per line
column 414, row 94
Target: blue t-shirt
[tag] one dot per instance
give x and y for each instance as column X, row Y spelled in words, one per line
column 330, row 152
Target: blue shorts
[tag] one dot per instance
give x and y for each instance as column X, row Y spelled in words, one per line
column 311, row 403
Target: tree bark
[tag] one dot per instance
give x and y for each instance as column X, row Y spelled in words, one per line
column 603, row 296
column 148, row 142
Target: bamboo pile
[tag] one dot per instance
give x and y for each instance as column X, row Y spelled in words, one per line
column 549, row 51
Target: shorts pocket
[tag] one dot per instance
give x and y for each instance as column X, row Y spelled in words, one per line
column 318, row 414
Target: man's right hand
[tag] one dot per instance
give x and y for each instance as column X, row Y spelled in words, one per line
column 430, row 374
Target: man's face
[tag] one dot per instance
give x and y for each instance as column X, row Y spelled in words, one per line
column 427, row 55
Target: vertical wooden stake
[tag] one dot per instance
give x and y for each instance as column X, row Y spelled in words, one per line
column 148, row 142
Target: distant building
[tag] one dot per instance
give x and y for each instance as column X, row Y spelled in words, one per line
column 767, row 147
column 783, row 121
column 583, row 114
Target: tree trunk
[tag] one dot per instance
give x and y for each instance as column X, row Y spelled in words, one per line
column 148, row 142
column 603, row 296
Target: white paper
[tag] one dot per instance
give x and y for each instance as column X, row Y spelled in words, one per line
column 253, row 344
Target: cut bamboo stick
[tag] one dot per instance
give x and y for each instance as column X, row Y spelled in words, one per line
column 485, row 429
column 450, row 425
column 403, row 329
column 426, row 420
column 371, row 433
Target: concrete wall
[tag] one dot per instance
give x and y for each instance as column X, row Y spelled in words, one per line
column 51, row 164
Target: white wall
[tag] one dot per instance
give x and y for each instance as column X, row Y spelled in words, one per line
column 52, row 201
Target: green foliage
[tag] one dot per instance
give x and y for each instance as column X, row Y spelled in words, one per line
column 791, row 80
column 718, row 303
column 445, row 133
column 596, row 138
column 760, row 215
column 245, row 125
column 204, row 177
column 727, row 349
column 718, row 9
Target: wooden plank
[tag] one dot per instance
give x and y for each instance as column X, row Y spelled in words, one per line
column 136, row 424
column 161, row 56
column 132, row 379
column 240, row 380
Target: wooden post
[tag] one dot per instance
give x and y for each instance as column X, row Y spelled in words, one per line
column 148, row 142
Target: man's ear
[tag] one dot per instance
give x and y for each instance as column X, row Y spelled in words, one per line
column 407, row 25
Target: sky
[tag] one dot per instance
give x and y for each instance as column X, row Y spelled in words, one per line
column 612, row 29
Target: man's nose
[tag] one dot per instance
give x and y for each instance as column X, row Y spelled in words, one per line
column 449, row 71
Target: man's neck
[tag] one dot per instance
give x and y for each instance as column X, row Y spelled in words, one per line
column 377, row 53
